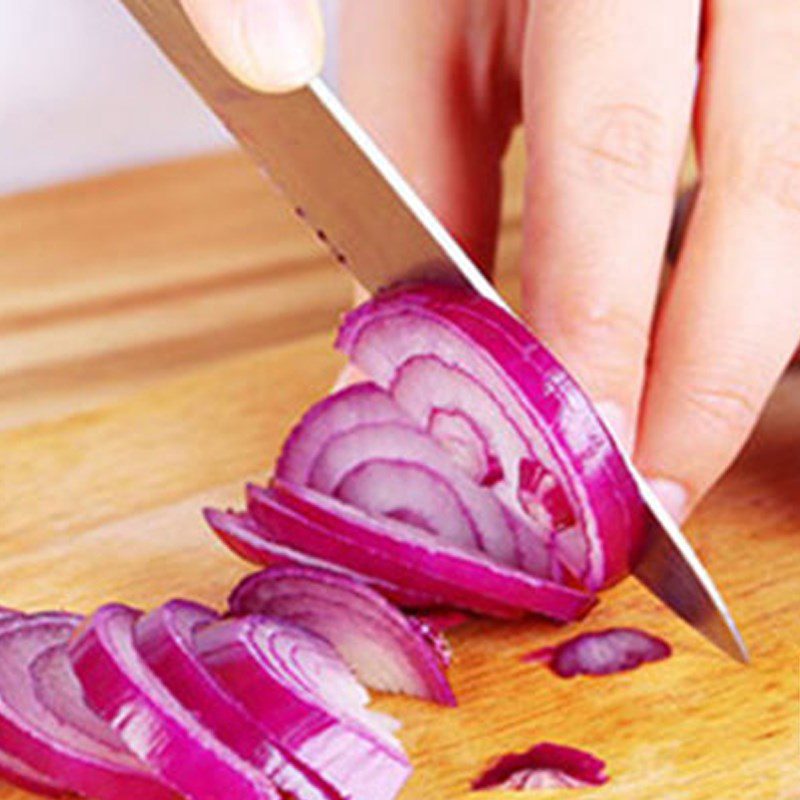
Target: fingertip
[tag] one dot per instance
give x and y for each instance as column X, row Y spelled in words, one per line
column 269, row 45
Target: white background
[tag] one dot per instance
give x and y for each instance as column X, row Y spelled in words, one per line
column 82, row 91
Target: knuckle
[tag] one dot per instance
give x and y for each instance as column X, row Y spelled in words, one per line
column 624, row 146
column 769, row 172
column 778, row 175
column 728, row 407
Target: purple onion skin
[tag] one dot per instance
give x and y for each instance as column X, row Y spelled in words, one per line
column 360, row 624
column 603, row 652
column 574, row 767
column 165, row 639
column 154, row 725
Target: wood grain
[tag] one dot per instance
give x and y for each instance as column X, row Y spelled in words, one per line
column 107, row 464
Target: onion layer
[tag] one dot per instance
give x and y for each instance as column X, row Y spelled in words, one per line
column 307, row 701
column 387, row 650
column 165, row 735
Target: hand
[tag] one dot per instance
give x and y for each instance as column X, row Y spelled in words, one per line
column 271, row 45
column 606, row 92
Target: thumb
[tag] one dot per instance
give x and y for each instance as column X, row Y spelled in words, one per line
column 269, row 45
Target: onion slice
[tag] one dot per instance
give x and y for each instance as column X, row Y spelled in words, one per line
column 163, row 733
column 544, row 766
column 65, row 748
column 390, row 550
column 496, row 374
column 387, row 650
column 165, row 639
column 602, row 652
column 307, row 701
column 12, row 769
column 246, row 538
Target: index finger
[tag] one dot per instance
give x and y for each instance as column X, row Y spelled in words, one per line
column 608, row 88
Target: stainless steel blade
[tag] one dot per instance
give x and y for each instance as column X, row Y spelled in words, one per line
column 360, row 206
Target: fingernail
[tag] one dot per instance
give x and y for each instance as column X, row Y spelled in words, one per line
column 618, row 421
column 674, row 497
column 285, row 42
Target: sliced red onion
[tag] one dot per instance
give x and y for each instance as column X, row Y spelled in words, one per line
column 495, row 373
column 64, row 747
column 602, row 652
column 7, row 613
column 245, row 537
column 387, row 650
column 165, row 639
column 307, row 701
column 354, row 405
column 389, row 550
column 163, row 733
column 544, row 766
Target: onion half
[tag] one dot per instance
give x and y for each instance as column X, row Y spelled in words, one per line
column 391, row 551
column 387, row 650
column 64, row 743
column 307, row 701
column 442, row 349
column 163, row 733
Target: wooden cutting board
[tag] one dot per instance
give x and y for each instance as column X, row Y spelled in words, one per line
column 161, row 330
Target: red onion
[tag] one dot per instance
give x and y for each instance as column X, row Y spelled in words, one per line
column 165, row 639
column 545, row 766
column 68, row 747
column 602, row 652
column 163, row 733
column 440, row 349
column 246, row 538
column 307, row 701
column 386, row 650
column 391, row 551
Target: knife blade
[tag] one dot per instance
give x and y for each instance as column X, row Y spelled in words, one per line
column 374, row 224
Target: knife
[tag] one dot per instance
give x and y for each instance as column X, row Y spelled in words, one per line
column 375, row 225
